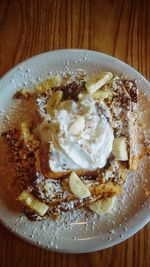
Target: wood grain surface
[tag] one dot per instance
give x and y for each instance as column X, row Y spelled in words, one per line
column 118, row 28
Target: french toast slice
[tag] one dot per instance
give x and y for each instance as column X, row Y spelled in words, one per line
column 32, row 154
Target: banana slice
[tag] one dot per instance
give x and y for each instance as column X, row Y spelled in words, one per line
column 95, row 83
column 25, row 132
column 77, row 187
column 28, row 200
column 49, row 83
column 53, row 101
column 100, row 94
column 82, row 95
column 77, row 127
column 45, row 131
column 102, row 206
column 53, row 82
column 120, row 148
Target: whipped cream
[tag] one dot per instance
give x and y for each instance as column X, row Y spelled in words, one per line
column 80, row 137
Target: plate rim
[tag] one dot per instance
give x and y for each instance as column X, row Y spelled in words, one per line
column 70, row 50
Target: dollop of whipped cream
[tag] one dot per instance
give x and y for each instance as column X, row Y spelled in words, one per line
column 81, row 138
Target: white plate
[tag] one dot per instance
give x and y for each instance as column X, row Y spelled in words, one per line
column 82, row 233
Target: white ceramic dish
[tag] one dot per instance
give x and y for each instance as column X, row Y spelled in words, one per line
column 82, row 233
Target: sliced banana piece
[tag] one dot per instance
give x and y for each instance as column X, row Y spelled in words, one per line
column 67, row 104
column 54, row 81
column 31, row 202
column 25, row 131
column 102, row 206
column 77, row 187
column 45, row 131
column 77, row 127
column 82, row 95
column 120, row 148
column 49, row 83
column 100, row 94
column 96, row 82
column 53, row 101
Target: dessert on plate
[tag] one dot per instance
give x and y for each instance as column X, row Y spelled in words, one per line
column 77, row 152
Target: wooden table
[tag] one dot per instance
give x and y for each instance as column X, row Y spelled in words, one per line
column 118, row 28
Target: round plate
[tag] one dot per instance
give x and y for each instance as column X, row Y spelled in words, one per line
column 79, row 231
